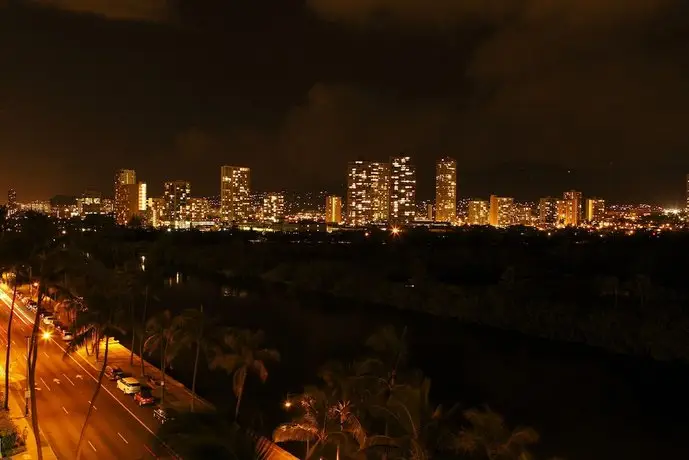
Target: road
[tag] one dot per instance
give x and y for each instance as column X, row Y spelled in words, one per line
column 119, row 428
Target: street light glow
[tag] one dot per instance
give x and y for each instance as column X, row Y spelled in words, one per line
column 47, row 335
column 288, row 404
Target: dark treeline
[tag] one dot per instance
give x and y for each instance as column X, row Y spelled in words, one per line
column 626, row 294
column 618, row 292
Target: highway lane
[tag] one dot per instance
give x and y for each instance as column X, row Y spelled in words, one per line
column 65, row 385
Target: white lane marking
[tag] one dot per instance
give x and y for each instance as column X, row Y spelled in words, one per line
column 110, row 393
column 29, row 323
column 63, row 408
column 125, row 441
column 46, row 385
column 94, row 407
column 46, row 355
column 70, row 380
column 92, row 446
column 13, row 342
column 56, row 380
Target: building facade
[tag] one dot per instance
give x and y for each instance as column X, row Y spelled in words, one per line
column 333, row 209
column 548, row 212
column 273, row 209
column 125, row 195
column 574, row 214
column 379, row 185
column 478, row 212
column 235, row 194
column 501, row 211
column 595, row 210
column 402, row 190
column 177, row 211
column 90, row 202
column 446, row 190
column 12, row 205
column 368, row 192
column 200, row 210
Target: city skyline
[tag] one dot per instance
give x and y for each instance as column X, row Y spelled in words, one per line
column 346, row 89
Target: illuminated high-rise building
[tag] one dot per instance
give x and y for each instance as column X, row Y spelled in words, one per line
column 565, row 213
column 177, row 210
column 368, row 192
column 379, row 177
column 12, row 206
column 90, row 202
column 156, row 211
column 141, row 197
column 595, row 210
column 575, row 208
column 125, row 195
column 199, row 209
column 402, row 190
column 446, row 190
column 273, row 209
column 358, row 193
column 547, row 211
column 333, row 209
column 478, row 212
column 501, row 211
column 42, row 206
column 235, row 194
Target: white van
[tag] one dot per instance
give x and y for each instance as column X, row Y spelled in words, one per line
column 129, row 385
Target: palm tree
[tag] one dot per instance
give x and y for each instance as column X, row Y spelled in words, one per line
column 160, row 331
column 489, row 435
column 416, row 427
column 246, row 355
column 99, row 322
column 192, row 331
column 322, row 421
column 379, row 374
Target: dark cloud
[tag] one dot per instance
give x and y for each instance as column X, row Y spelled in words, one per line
column 132, row 10
column 586, row 12
column 571, row 84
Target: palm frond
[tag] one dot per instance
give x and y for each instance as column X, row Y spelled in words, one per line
column 524, row 436
column 295, row 432
column 80, row 340
column 238, row 380
column 353, row 426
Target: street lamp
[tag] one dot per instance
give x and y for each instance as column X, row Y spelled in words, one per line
column 47, row 335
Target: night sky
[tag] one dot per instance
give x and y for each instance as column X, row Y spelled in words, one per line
column 531, row 96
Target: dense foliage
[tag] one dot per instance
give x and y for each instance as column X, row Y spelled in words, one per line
column 148, row 288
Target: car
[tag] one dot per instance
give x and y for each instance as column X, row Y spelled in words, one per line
column 144, row 397
column 163, row 415
column 129, row 385
column 67, row 336
column 113, row 373
column 48, row 320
